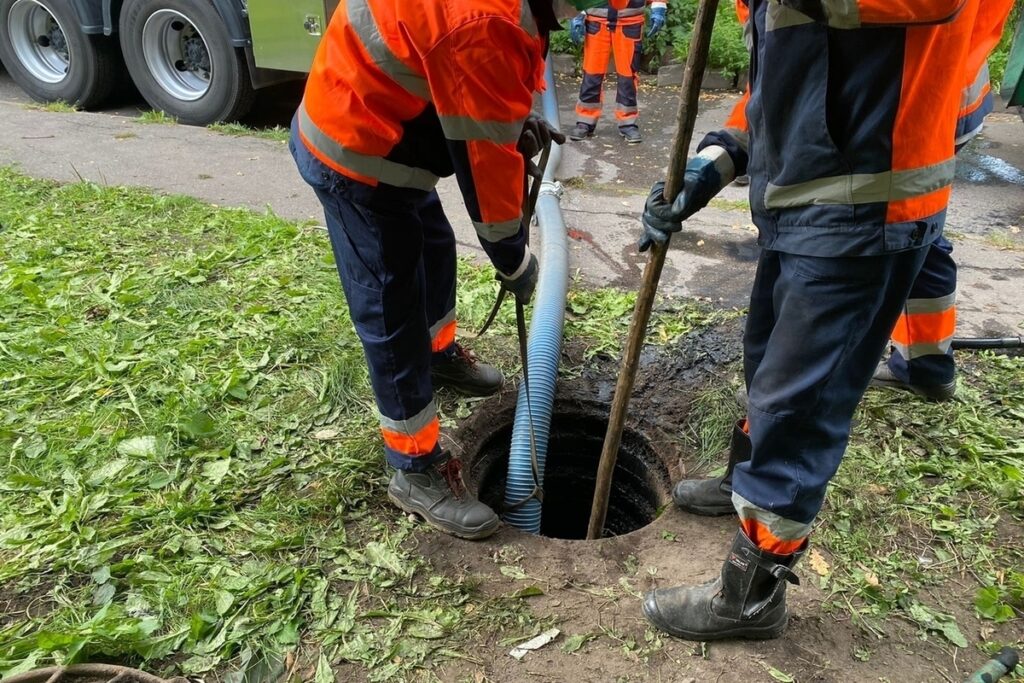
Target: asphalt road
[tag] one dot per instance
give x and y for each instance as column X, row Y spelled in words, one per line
column 605, row 184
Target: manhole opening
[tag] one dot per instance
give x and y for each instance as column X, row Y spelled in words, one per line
column 639, row 486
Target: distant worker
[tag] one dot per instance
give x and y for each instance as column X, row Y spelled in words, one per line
column 922, row 355
column 400, row 94
column 848, row 137
column 608, row 32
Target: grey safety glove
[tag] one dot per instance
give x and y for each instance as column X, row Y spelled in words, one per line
column 522, row 283
column 537, row 134
column 704, row 177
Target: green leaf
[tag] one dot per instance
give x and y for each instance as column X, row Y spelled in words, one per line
column 107, row 471
column 139, row 447
column 224, row 602
column 103, row 594
column 200, row 425
column 528, row 592
column 324, row 673
column 953, row 633
column 215, row 470
column 780, row 676
column 160, row 480
column 575, row 642
column 101, row 575
column 381, row 556
column 513, row 572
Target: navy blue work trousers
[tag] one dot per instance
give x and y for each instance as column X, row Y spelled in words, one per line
column 815, row 332
column 395, row 253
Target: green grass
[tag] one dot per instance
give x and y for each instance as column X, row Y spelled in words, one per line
column 58, row 106
column 192, row 474
column 277, row 133
column 155, row 116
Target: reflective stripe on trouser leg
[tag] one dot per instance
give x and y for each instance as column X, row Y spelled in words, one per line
column 816, row 329
column 626, row 46
column 597, row 48
column 382, row 272
column 922, row 337
column 439, row 268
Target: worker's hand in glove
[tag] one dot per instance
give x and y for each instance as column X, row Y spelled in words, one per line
column 522, row 283
column 577, row 27
column 537, row 134
column 658, row 16
column 704, row 177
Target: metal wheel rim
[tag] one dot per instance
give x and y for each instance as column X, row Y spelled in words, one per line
column 39, row 41
column 177, row 55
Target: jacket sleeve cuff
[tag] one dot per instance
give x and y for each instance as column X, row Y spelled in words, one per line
column 734, row 147
column 508, row 255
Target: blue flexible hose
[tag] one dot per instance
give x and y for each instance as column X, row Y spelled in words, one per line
column 544, row 345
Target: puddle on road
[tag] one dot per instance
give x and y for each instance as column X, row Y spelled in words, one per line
column 983, row 168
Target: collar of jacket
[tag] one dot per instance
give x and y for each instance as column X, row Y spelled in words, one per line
column 544, row 13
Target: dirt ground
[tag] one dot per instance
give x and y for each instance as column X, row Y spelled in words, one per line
column 593, row 588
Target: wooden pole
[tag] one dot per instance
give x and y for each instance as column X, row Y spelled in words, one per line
column 696, row 61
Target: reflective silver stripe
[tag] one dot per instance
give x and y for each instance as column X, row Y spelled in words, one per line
column 936, row 305
column 862, row 188
column 748, row 35
column 413, row 425
column 780, row 16
column 466, row 128
column 740, row 136
column 842, row 13
column 361, row 19
column 920, row 349
column 969, row 135
column 780, row 527
column 436, row 328
column 583, row 107
column 973, row 92
column 494, row 232
column 383, row 170
column 626, row 109
column 602, row 12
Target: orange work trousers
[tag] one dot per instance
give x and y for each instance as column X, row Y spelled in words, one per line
column 621, row 38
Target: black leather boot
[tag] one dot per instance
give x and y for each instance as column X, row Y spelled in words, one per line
column 884, row 377
column 439, row 496
column 713, row 497
column 460, row 370
column 748, row 600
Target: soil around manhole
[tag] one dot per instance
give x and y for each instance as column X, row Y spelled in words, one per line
column 640, row 483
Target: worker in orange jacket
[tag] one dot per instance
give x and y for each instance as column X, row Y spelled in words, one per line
column 848, row 137
column 399, row 95
column 921, row 358
column 607, row 30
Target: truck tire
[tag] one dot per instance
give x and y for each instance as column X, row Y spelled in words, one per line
column 49, row 57
column 180, row 57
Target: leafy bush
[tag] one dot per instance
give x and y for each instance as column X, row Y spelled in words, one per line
column 997, row 62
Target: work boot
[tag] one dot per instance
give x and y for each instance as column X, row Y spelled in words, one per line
column 884, row 377
column 741, row 180
column 460, row 370
column 748, row 600
column 631, row 133
column 713, row 497
column 439, row 496
column 581, row 132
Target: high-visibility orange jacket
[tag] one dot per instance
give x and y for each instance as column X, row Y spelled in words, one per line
column 401, row 93
column 852, row 117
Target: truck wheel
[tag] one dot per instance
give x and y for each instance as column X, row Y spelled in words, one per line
column 50, row 58
column 181, row 59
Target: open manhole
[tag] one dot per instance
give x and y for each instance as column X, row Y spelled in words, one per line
column 640, row 486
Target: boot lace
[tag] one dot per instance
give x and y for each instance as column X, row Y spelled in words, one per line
column 451, row 470
column 465, row 354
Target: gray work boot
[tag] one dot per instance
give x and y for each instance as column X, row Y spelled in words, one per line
column 713, row 497
column 439, row 496
column 631, row 133
column 748, row 600
column 581, row 132
column 884, row 377
column 460, row 370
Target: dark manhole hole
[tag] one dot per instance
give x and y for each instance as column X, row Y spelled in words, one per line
column 639, row 487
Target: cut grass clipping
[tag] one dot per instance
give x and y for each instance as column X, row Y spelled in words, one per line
column 192, row 477
column 192, row 471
